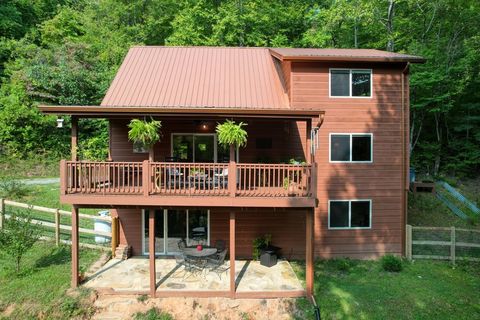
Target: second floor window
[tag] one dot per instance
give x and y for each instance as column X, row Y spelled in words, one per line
column 351, row 147
column 350, row 83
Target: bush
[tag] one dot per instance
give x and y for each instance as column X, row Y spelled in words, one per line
column 343, row 265
column 153, row 314
column 391, row 263
column 13, row 189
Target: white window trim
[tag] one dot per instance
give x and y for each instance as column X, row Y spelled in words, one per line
column 350, row 83
column 350, row 214
column 351, row 135
column 165, row 230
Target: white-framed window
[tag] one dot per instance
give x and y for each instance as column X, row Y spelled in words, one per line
column 350, row 83
column 350, row 214
column 351, row 148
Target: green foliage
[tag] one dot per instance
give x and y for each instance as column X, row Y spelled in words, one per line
column 145, row 132
column 232, row 134
column 67, row 52
column 153, row 314
column 391, row 263
column 260, row 243
column 13, row 189
column 18, row 236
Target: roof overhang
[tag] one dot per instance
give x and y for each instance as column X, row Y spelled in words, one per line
column 105, row 112
column 341, row 58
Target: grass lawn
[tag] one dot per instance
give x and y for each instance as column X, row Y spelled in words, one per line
column 350, row 289
column 40, row 167
column 39, row 290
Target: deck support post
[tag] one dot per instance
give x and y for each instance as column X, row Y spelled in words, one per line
column 308, row 150
column 151, row 252
column 74, row 138
column 232, row 255
column 309, row 259
column 75, row 279
column 232, row 172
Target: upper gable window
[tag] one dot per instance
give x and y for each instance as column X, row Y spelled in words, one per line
column 350, row 83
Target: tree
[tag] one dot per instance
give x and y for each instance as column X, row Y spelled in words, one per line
column 18, row 236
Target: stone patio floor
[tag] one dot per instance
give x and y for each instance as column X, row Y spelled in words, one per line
column 133, row 275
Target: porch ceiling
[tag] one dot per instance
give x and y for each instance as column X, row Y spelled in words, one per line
column 106, row 112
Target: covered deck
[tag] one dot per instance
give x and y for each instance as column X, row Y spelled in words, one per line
column 251, row 279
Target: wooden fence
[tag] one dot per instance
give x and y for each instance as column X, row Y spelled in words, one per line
column 58, row 227
column 451, row 243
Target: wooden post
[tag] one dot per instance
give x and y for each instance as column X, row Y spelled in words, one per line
column 309, row 255
column 151, row 252
column 63, row 177
column 75, row 279
column 2, row 212
column 57, row 227
column 232, row 173
column 74, row 138
column 452, row 245
column 114, row 241
column 408, row 242
column 146, row 177
column 232, row 255
column 308, row 151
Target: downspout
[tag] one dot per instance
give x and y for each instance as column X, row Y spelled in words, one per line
column 404, row 161
column 316, row 308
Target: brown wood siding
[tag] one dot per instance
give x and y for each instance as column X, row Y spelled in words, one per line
column 287, row 139
column 287, row 228
column 380, row 181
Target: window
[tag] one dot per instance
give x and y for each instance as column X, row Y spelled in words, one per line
column 350, row 83
column 349, row 214
column 351, row 147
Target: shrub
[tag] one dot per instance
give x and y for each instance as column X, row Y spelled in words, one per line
column 153, row 314
column 391, row 263
column 18, row 236
column 343, row 265
column 13, row 189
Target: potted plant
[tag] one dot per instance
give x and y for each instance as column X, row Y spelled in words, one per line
column 290, row 186
column 146, row 133
column 263, row 249
column 233, row 135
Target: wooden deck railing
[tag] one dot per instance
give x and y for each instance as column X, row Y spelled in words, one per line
column 190, row 179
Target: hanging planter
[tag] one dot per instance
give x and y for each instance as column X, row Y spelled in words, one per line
column 146, row 133
column 231, row 134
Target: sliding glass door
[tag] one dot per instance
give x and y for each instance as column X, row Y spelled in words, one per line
column 194, row 147
column 171, row 226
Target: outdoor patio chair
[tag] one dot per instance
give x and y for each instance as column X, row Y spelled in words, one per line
column 220, row 179
column 220, row 245
column 194, row 267
column 181, row 244
column 174, row 177
column 216, row 264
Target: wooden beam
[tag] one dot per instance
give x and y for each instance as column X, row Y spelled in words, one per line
column 308, row 151
column 232, row 255
column 309, row 259
column 151, row 252
column 74, row 144
column 232, row 173
column 75, row 279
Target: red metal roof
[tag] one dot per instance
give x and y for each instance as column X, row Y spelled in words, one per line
column 343, row 55
column 198, row 77
column 218, row 77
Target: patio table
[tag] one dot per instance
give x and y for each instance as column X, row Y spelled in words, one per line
column 193, row 252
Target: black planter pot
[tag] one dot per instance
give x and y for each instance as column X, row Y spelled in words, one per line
column 268, row 256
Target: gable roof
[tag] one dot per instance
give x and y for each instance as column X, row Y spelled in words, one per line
column 198, row 77
column 220, row 78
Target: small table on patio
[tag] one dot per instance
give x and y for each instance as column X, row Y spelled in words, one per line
column 194, row 253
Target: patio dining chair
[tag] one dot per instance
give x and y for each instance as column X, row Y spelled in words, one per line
column 194, row 267
column 181, row 244
column 220, row 245
column 216, row 264
column 220, row 179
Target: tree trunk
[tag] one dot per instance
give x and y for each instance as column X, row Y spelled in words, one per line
column 389, row 25
column 151, row 154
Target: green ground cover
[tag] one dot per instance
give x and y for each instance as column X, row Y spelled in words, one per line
column 350, row 289
column 38, row 291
